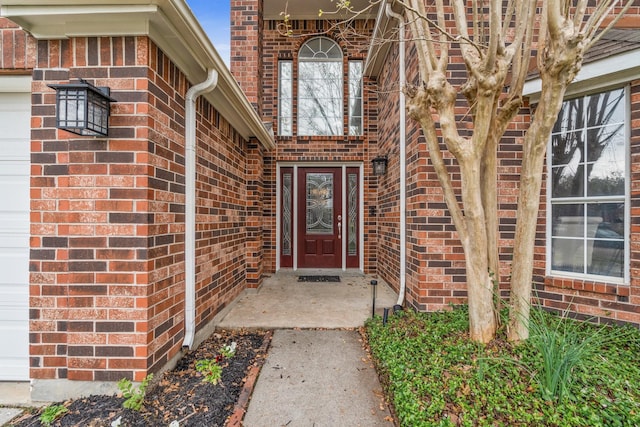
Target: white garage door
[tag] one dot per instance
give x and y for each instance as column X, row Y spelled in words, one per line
column 15, row 117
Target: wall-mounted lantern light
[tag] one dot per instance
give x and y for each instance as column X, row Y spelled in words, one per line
column 379, row 165
column 82, row 108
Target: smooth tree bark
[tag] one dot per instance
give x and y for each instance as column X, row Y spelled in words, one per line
column 495, row 39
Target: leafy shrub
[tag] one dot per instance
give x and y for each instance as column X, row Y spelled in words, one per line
column 52, row 413
column 564, row 350
column 134, row 396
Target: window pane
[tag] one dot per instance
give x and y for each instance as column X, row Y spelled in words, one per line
column 605, row 108
column 287, row 218
column 320, row 48
column 567, row 220
column 567, row 255
column 285, row 97
column 352, row 226
column 568, row 181
column 571, row 116
column 606, row 254
column 320, row 110
column 606, row 150
column 355, row 98
column 588, row 163
column 566, row 147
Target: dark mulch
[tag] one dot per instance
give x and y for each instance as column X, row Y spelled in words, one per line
column 178, row 395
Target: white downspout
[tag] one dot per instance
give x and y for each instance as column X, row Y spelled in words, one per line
column 403, row 155
column 190, row 204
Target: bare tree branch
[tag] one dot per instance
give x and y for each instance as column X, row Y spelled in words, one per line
column 592, row 28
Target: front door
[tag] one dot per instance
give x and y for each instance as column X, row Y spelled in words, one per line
column 320, row 225
column 319, row 217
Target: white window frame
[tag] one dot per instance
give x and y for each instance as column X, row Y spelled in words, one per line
column 626, row 199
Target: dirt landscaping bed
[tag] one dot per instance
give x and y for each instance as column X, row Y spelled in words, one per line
column 181, row 395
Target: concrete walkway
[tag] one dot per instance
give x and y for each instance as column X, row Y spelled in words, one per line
column 283, row 302
column 317, row 378
column 316, row 372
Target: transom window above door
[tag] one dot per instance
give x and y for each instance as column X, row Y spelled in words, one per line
column 320, row 92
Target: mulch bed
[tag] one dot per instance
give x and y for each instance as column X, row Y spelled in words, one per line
column 180, row 394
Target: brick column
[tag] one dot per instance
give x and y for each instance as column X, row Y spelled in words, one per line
column 255, row 198
column 246, row 48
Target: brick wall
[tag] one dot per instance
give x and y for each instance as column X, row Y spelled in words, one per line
column 246, row 48
column 107, row 214
column 18, row 51
column 341, row 149
column 435, row 260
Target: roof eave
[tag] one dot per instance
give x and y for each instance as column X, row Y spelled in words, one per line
column 380, row 43
column 169, row 23
column 612, row 71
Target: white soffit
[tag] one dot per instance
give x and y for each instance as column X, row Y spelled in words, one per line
column 610, row 71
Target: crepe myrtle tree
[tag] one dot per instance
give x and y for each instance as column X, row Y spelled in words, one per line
column 501, row 42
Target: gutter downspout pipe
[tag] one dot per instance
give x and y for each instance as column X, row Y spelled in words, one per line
column 403, row 154
column 190, row 204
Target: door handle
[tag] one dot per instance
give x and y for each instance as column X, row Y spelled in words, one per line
column 339, row 227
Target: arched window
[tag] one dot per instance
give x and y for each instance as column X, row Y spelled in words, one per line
column 320, row 88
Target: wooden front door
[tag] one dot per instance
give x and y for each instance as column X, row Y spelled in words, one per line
column 320, row 218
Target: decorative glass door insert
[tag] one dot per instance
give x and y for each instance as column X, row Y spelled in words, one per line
column 319, row 203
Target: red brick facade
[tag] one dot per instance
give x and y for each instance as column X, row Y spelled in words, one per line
column 108, row 217
column 435, row 260
column 275, row 46
column 107, row 259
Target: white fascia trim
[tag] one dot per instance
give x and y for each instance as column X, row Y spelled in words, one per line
column 379, row 45
column 595, row 75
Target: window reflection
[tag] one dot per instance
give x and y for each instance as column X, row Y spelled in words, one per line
column 588, row 201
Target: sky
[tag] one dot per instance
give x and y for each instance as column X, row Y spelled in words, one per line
column 213, row 16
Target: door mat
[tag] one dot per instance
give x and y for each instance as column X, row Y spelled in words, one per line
column 317, row 279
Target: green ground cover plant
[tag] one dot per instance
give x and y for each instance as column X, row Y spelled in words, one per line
column 434, row 375
column 52, row 413
column 134, row 396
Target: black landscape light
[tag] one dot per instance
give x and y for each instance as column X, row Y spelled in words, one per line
column 374, row 290
column 82, row 108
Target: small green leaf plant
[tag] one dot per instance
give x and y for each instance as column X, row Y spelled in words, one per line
column 210, row 369
column 51, row 413
column 134, row 396
column 229, row 350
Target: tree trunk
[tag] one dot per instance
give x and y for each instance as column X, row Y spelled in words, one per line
column 535, row 144
column 489, row 183
column 482, row 322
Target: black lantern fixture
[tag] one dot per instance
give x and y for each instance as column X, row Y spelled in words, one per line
column 82, row 108
column 379, row 165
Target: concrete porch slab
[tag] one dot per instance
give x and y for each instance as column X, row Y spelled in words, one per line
column 282, row 302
